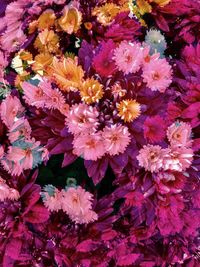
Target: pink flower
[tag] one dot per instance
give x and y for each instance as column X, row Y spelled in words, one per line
column 33, row 95
column 53, row 202
column 178, row 159
column 116, row 139
column 151, row 157
column 154, row 129
column 89, row 146
column 11, row 109
column 54, row 98
column 6, row 192
column 82, row 118
column 128, row 57
column 103, row 61
column 179, row 134
column 20, row 129
column 77, row 203
column 157, row 74
column 146, row 55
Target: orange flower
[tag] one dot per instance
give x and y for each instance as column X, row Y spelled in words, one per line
column 162, row 3
column 129, row 110
column 47, row 41
column 46, row 19
column 25, row 55
column 32, row 26
column 91, row 91
column 106, row 13
column 71, row 20
column 42, row 61
column 66, row 73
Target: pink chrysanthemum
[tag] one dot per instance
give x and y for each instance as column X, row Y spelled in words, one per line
column 179, row 134
column 33, row 95
column 178, row 159
column 154, row 129
column 103, row 61
column 82, row 118
column 53, row 203
column 77, row 203
column 146, row 55
column 20, row 129
column 128, row 57
column 10, row 109
column 157, row 74
column 151, row 157
column 116, row 139
column 89, row 146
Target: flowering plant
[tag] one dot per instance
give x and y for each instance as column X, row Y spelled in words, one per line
column 99, row 123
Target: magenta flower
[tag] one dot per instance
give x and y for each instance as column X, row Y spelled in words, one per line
column 154, row 129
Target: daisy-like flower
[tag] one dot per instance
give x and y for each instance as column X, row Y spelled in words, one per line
column 82, row 118
column 129, row 110
column 89, row 146
column 71, row 20
column 91, row 91
column 154, row 129
column 151, row 157
column 77, row 203
column 178, row 159
column 179, row 134
column 157, row 74
column 66, row 73
column 128, row 57
column 52, row 198
column 41, row 62
column 47, row 42
column 116, row 139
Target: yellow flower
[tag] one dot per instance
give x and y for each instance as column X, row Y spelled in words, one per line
column 106, row 13
column 66, row 73
column 129, row 110
column 42, row 61
column 91, row 91
column 46, row 19
column 47, row 41
column 144, row 7
column 71, row 20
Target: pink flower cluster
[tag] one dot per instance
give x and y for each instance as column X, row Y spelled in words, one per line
column 131, row 57
column 24, row 152
column 177, row 157
column 76, row 202
column 6, row 192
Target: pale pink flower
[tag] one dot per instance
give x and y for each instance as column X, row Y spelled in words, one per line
column 13, row 194
column 178, row 159
column 1, row 152
column 53, row 203
column 89, row 146
column 151, row 157
column 11, row 167
column 33, row 95
column 128, row 57
column 20, row 129
column 77, row 203
column 116, row 139
column 82, row 118
column 179, row 134
column 157, row 74
column 11, row 109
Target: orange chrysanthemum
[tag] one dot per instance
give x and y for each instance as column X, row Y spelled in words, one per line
column 106, row 13
column 129, row 110
column 47, row 41
column 46, row 19
column 42, row 61
column 25, row 55
column 66, row 73
column 71, row 20
column 91, row 91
